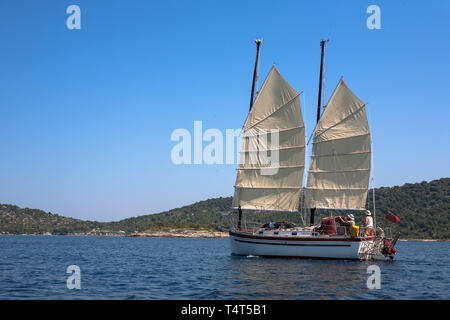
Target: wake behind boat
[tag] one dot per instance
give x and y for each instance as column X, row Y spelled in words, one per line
column 271, row 169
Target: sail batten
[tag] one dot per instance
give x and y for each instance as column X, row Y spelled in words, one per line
column 319, row 133
column 337, row 189
column 253, row 187
column 279, row 130
column 340, row 154
column 339, row 172
column 279, row 167
column 270, row 114
column 270, row 173
column 355, row 136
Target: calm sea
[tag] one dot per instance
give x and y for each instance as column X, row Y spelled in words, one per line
column 34, row 267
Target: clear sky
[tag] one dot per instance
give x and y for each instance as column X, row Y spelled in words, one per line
column 87, row 115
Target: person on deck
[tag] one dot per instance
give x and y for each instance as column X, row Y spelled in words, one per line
column 350, row 220
column 347, row 222
column 369, row 224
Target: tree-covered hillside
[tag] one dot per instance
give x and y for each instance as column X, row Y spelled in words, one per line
column 424, row 210
column 18, row 220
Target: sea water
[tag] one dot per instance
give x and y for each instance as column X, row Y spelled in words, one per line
column 36, row 267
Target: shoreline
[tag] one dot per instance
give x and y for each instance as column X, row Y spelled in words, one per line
column 193, row 234
column 175, row 233
column 180, row 234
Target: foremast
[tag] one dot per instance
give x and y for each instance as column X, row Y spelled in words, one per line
column 271, row 167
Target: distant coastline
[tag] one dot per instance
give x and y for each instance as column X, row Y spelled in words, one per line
column 184, row 233
column 180, row 234
column 173, row 233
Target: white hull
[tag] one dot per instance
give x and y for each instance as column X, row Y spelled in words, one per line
column 322, row 247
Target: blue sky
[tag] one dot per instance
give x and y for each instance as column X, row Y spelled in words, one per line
column 87, row 114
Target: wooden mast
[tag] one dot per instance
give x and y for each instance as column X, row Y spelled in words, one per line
column 252, row 99
column 322, row 45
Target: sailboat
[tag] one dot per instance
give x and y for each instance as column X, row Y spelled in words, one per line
column 337, row 179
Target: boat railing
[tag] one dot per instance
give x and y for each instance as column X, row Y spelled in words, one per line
column 255, row 227
column 364, row 232
column 250, row 226
column 246, row 226
column 301, row 231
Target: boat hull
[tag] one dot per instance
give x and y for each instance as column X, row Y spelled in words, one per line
column 245, row 244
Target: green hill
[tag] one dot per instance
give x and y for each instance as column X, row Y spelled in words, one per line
column 422, row 207
column 17, row 220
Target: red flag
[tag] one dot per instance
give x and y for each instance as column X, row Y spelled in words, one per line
column 392, row 217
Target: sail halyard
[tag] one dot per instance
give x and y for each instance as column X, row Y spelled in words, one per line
column 341, row 158
column 274, row 130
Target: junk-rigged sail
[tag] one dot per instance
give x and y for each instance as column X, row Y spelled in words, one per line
column 270, row 173
column 340, row 162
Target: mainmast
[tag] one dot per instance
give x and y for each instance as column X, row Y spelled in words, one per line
column 322, row 45
column 252, row 99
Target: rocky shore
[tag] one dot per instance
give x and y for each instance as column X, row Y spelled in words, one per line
column 183, row 233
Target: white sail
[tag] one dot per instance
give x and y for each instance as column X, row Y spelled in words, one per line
column 340, row 162
column 274, row 129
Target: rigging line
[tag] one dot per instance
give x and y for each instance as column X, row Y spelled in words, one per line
column 342, row 120
column 278, row 108
column 257, row 77
column 264, row 84
column 373, row 174
column 324, row 85
column 257, row 96
column 309, row 140
column 305, row 172
column 303, row 110
column 302, row 200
